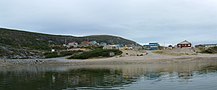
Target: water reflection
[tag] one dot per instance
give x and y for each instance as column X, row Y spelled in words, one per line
column 99, row 77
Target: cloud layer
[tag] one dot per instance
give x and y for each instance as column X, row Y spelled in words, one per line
column 163, row 21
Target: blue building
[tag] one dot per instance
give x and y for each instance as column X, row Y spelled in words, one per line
column 152, row 46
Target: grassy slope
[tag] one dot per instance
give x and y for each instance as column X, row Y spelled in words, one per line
column 32, row 40
column 15, row 41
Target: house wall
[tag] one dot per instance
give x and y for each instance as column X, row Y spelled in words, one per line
column 111, row 47
column 184, row 45
column 152, row 46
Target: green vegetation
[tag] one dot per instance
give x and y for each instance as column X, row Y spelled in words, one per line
column 59, row 54
column 97, row 53
column 211, row 50
column 93, row 47
column 51, row 55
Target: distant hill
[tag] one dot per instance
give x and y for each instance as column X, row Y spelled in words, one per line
column 16, row 41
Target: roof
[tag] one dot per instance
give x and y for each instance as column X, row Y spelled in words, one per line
column 185, row 42
column 154, row 44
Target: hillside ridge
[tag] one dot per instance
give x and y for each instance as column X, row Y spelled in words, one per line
column 14, row 42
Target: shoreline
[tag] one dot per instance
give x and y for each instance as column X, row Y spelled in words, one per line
column 148, row 59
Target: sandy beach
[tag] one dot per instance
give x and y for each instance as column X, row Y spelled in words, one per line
column 151, row 58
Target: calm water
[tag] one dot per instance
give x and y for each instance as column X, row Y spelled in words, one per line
column 180, row 76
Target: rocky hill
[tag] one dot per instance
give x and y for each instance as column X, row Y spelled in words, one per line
column 16, row 43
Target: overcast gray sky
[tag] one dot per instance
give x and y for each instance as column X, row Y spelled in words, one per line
column 163, row 21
